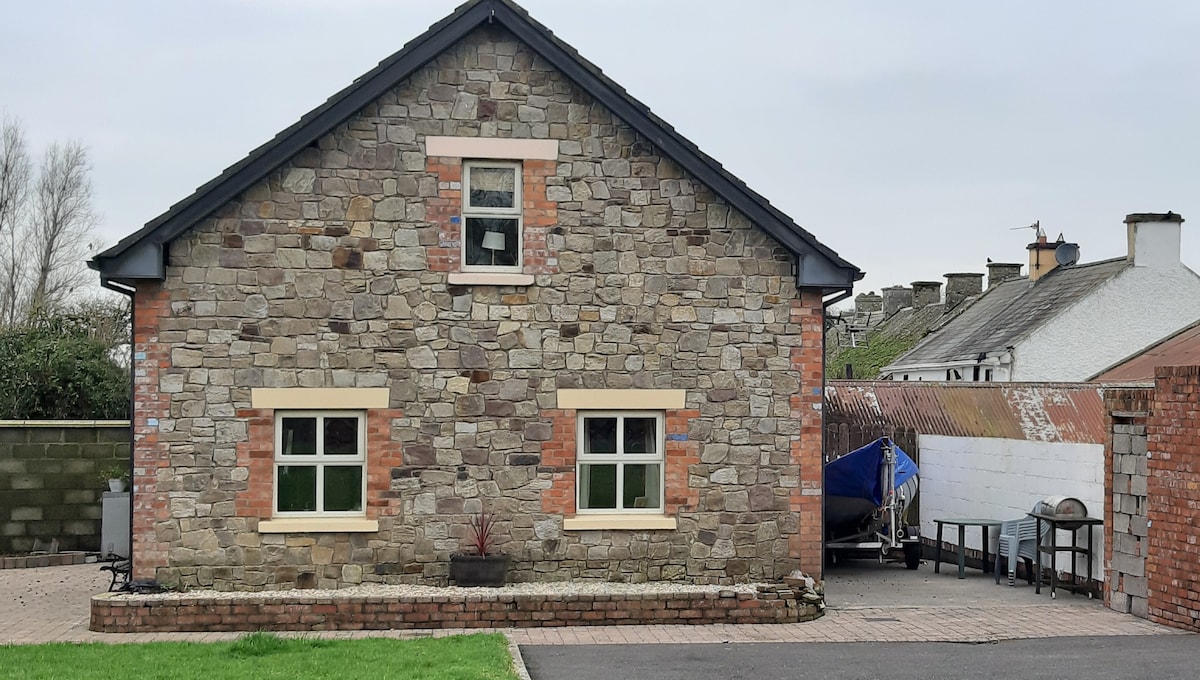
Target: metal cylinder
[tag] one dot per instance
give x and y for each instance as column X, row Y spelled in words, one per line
column 1061, row 506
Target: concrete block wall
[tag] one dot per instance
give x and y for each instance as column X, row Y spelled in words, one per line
column 1125, row 517
column 49, row 490
column 1173, row 491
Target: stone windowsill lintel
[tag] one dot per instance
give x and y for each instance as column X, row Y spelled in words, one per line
column 488, row 279
column 617, row 522
column 323, row 525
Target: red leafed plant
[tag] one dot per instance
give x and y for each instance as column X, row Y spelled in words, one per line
column 483, row 534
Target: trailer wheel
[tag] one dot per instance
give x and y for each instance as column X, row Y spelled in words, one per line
column 912, row 555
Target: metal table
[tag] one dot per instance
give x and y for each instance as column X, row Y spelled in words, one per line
column 985, row 526
column 1072, row 524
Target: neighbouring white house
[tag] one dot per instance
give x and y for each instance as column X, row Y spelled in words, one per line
column 1065, row 321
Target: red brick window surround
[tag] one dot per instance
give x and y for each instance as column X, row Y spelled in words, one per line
column 536, row 160
column 260, row 456
column 560, row 458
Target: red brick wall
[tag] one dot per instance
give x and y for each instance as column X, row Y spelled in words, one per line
column 151, row 304
column 257, row 454
column 539, row 216
column 1173, row 490
column 138, row 614
column 808, row 359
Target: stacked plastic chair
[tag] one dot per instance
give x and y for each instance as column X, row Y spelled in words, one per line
column 1018, row 539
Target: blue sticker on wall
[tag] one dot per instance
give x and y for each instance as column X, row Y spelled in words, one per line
column 152, row 422
column 816, row 391
column 455, row 220
column 139, row 356
column 677, row 437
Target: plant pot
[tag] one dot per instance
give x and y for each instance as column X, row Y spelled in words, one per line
column 489, row 571
column 116, row 485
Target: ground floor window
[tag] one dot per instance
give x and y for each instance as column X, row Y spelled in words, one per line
column 320, row 463
column 620, row 461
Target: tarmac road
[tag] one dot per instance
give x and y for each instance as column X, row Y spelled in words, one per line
column 1169, row 657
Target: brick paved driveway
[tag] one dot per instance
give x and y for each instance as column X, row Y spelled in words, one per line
column 867, row 603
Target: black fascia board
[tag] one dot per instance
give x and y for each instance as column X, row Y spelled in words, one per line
column 421, row 50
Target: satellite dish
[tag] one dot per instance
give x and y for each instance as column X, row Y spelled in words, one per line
column 1066, row 254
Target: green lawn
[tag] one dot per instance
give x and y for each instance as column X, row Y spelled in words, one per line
column 263, row 655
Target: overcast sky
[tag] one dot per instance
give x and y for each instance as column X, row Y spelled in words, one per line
column 911, row 137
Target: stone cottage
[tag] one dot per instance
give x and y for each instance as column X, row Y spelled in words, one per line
column 480, row 277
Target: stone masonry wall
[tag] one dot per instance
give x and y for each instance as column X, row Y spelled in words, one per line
column 1173, row 491
column 49, row 484
column 1125, row 513
column 333, row 273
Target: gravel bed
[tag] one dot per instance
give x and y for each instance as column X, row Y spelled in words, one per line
column 407, row 591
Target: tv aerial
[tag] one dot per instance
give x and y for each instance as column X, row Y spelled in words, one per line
column 1036, row 227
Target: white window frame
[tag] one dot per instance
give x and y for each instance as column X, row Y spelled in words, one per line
column 319, row 460
column 620, row 459
column 517, row 212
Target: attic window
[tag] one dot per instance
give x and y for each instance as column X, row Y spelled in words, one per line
column 491, row 217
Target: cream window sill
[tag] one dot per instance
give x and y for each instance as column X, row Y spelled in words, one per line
column 589, row 522
column 488, row 279
column 318, row 525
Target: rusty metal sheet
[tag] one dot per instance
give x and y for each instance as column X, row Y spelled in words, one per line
column 1052, row 412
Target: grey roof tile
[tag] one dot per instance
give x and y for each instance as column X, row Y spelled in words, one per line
column 1010, row 311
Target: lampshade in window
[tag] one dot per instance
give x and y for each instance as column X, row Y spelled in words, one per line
column 493, row 240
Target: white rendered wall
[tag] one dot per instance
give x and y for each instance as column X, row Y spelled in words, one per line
column 992, row 478
column 1126, row 314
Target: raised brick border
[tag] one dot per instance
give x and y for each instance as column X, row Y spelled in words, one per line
column 119, row 613
column 55, row 560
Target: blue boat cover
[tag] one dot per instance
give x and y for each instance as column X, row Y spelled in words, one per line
column 857, row 473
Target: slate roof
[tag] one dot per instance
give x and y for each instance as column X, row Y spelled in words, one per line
column 141, row 255
column 1009, row 312
column 1179, row 349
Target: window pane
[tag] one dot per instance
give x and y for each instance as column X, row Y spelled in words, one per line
column 299, row 436
column 641, row 435
column 597, row 487
column 341, row 436
column 641, row 486
column 491, row 241
column 492, row 187
column 600, row 435
column 343, row 488
column 297, row 488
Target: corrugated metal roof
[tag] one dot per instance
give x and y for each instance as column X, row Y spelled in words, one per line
column 1008, row 312
column 1181, row 349
column 1049, row 412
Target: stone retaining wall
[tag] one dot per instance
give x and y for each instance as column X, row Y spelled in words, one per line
column 49, row 490
column 113, row 613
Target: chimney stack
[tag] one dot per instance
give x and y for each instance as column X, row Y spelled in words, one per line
column 926, row 293
column 998, row 272
column 1041, row 257
column 959, row 287
column 865, row 303
column 1153, row 239
column 896, row 298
